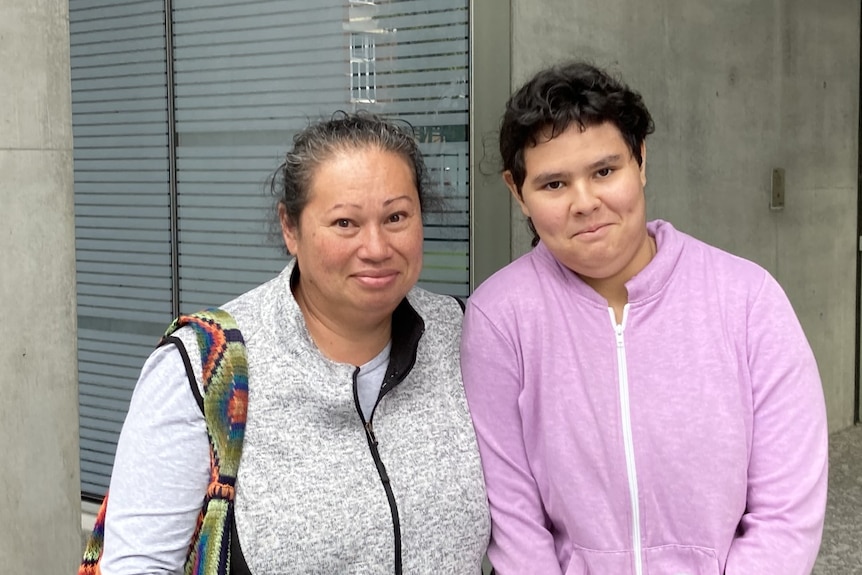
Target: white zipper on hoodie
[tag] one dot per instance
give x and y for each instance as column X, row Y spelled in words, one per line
column 628, row 441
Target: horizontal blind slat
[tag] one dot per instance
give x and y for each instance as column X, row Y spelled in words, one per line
column 119, row 122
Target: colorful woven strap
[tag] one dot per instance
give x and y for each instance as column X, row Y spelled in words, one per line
column 225, row 381
column 93, row 551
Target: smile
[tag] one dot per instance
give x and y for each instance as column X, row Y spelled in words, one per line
column 593, row 231
column 376, row 279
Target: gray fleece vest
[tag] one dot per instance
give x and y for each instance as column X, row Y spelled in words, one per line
column 319, row 489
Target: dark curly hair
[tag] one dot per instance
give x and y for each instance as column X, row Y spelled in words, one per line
column 569, row 93
column 345, row 131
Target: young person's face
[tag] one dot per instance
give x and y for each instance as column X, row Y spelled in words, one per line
column 583, row 191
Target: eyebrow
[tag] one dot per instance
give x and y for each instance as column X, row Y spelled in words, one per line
column 401, row 197
column 358, row 207
column 343, row 205
column 607, row 160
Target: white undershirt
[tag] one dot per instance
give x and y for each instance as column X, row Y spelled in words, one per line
column 370, row 379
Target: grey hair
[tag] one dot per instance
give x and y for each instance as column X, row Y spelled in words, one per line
column 345, row 131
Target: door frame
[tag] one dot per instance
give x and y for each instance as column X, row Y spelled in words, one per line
column 857, row 394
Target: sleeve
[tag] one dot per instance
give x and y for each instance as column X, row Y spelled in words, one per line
column 160, row 473
column 783, row 522
column 521, row 543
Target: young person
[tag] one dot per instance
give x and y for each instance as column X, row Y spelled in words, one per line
column 644, row 403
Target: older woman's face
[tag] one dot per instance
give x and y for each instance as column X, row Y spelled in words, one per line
column 359, row 239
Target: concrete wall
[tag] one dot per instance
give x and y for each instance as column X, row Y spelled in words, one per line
column 40, row 494
column 736, row 89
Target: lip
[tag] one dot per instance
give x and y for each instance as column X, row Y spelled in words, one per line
column 376, row 278
column 592, row 231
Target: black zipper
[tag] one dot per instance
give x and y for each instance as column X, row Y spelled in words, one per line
column 381, row 470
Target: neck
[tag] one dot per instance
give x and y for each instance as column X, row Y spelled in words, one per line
column 613, row 288
column 343, row 339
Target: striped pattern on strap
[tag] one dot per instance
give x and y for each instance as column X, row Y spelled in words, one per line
column 225, row 381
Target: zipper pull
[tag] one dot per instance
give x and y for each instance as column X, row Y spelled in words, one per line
column 619, row 327
column 369, row 429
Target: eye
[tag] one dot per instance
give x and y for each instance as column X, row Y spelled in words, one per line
column 604, row 172
column 555, row 185
column 395, row 218
column 342, row 223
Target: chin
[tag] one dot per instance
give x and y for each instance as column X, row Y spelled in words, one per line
column 387, row 302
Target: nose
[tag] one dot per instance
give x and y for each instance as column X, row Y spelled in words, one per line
column 584, row 200
column 375, row 244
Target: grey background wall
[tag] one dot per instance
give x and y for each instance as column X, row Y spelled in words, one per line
column 737, row 88
column 40, row 502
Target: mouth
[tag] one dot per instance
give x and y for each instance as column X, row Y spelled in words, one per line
column 591, row 230
column 376, row 278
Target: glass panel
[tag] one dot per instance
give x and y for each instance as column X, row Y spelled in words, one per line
column 247, row 75
column 119, row 116
column 250, row 74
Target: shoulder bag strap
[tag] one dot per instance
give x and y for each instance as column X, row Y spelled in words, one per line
column 225, row 382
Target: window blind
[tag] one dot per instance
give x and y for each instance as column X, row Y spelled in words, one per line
column 250, row 74
column 119, row 110
column 421, row 48
column 247, row 75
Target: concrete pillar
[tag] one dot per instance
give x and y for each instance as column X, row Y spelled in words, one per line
column 40, row 504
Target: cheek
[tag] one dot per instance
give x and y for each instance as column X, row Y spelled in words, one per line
column 335, row 251
column 628, row 199
column 549, row 214
column 414, row 243
column 322, row 250
column 637, row 203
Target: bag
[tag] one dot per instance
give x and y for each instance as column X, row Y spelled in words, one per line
column 225, row 398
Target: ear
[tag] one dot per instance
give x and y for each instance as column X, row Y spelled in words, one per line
column 643, row 164
column 513, row 189
column 289, row 231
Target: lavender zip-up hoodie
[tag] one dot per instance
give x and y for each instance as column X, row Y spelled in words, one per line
column 688, row 440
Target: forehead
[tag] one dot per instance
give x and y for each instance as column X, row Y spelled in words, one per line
column 575, row 144
column 355, row 174
column 351, row 156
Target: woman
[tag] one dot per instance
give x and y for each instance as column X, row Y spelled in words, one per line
column 359, row 455
column 644, row 403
